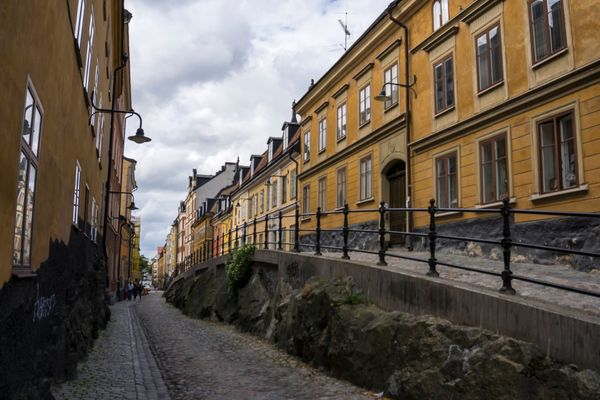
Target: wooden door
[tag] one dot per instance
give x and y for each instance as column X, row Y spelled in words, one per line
column 397, row 200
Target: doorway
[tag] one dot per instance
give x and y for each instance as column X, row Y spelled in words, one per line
column 396, row 176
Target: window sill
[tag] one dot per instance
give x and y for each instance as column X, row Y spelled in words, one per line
column 305, row 219
column 491, row 88
column 341, row 139
column 548, row 59
column 367, row 122
column 496, row 204
column 22, row 272
column 577, row 190
column 448, row 214
column 365, row 201
column 444, row 111
column 385, row 110
column 322, row 150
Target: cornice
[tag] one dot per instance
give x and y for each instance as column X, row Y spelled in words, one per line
column 322, row 107
column 568, row 83
column 340, row 91
column 363, row 71
column 396, row 43
column 381, row 133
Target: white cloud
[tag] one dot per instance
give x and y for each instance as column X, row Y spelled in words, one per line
column 213, row 79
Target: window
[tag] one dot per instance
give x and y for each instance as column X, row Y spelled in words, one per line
column 444, row 85
column 306, row 146
column 322, row 195
column 447, row 181
column 322, row 134
column 250, row 207
column 88, row 57
column 28, row 166
column 341, row 121
column 341, row 199
column 293, row 183
column 274, row 190
column 76, row 194
column 255, row 202
column 489, row 58
column 494, row 169
column 284, row 184
column 95, row 212
column 292, row 236
column 86, row 225
column 306, row 199
column 366, row 181
column 100, row 131
column 558, row 157
column 440, row 13
column 390, row 76
column 79, row 21
column 364, row 105
column 270, row 151
column 547, row 24
column 262, row 201
column 286, row 133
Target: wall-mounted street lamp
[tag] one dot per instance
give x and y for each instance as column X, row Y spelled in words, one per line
column 139, row 136
column 131, row 206
column 383, row 96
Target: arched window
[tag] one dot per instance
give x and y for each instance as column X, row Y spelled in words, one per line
column 440, row 13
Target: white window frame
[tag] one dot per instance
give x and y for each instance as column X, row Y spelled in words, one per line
column 364, row 105
column 306, row 153
column 322, row 134
column 76, row 194
column 366, row 177
column 342, row 121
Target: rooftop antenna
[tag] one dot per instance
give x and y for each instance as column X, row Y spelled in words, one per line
column 346, row 31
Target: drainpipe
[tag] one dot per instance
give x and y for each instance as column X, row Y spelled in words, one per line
column 107, row 218
column 408, row 119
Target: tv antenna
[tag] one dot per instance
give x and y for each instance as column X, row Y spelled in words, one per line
column 346, row 31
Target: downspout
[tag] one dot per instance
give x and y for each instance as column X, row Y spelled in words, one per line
column 408, row 119
column 107, row 218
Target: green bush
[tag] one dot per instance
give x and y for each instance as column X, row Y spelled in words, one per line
column 239, row 268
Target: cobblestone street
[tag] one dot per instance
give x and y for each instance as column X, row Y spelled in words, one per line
column 195, row 359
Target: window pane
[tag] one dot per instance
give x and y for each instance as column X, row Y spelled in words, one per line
column 445, row 14
column 549, row 181
column 35, row 133
column 449, row 83
column 28, row 118
column 437, row 15
column 555, row 24
column 540, row 44
column 441, row 183
column 567, row 153
column 496, row 55
column 483, row 62
column 439, row 88
column 453, row 184
column 29, row 216
column 20, row 211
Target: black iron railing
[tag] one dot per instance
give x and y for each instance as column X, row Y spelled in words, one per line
column 225, row 243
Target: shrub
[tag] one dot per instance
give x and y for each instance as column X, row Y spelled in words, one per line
column 239, row 268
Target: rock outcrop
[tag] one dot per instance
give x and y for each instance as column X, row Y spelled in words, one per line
column 330, row 325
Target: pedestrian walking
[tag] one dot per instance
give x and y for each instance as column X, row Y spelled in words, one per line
column 129, row 290
column 136, row 290
column 140, row 289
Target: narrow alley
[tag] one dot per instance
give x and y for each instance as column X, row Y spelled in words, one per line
column 197, row 360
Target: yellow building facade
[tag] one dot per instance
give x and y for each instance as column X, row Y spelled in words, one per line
column 354, row 147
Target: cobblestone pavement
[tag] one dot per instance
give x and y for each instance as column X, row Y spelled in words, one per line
column 208, row 360
column 198, row 360
column 120, row 365
column 559, row 274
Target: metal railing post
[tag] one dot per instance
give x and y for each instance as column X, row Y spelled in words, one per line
column 230, row 236
column 345, row 256
column 244, row 234
column 381, row 234
column 254, row 232
column 318, row 232
column 237, row 233
column 223, row 243
column 432, row 237
column 280, row 244
column 266, row 231
column 297, row 229
column 506, row 245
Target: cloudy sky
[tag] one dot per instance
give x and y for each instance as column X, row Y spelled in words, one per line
column 213, row 79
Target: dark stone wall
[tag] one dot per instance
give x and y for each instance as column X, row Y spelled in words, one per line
column 356, row 240
column 570, row 233
column 48, row 322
